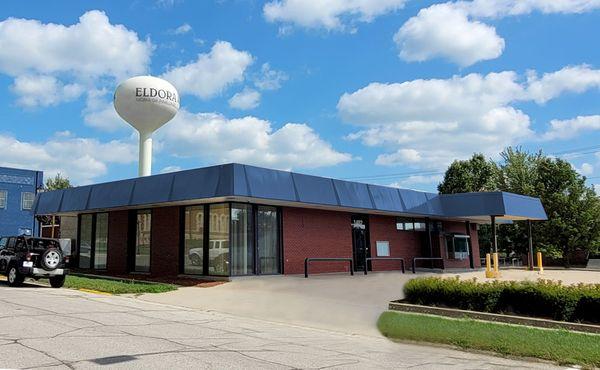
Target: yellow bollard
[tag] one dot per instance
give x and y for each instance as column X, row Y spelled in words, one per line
column 539, row 263
column 496, row 266
column 488, row 271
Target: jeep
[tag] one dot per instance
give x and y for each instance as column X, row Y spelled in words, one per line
column 23, row 256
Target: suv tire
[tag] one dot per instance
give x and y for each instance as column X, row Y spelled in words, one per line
column 57, row 281
column 14, row 277
column 51, row 259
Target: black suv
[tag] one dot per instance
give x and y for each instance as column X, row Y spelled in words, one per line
column 23, row 256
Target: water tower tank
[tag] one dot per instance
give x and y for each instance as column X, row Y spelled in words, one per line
column 146, row 103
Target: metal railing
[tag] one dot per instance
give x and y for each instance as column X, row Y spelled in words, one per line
column 384, row 259
column 327, row 259
column 415, row 259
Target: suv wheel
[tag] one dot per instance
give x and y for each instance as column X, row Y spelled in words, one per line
column 57, row 281
column 51, row 259
column 14, row 277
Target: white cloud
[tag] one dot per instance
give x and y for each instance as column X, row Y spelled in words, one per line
column 412, row 182
column 53, row 63
column 212, row 72
column 91, row 48
column 570, row 128
column 168, row 169
column 429, row 123
column 80, row 159
column 245, row 99
column 183, row 29
column 503, row 8
column 330, row 14
column 100, row 113
column 250, row 140
column 585, row 169
column 444, row 31
column 269, row 79
column 37, row 90
column 454, row 31
column 576, row 79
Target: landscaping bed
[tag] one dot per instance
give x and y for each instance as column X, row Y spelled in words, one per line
column 562, row 346
column 541, row 299
column 115, row 286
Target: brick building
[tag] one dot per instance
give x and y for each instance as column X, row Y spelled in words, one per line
column 235, row 220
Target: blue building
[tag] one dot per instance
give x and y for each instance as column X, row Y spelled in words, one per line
column 17, row 193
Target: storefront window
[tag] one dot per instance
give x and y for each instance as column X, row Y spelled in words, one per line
column 101, row 241
column 143, row 241
column 193, row 259
column 268, row 240
column 242, row 257
column 218, row 242
column 85, row 241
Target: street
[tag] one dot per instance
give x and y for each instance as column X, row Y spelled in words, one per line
column 42, row 327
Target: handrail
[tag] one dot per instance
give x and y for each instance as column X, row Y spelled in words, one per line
column 383, row 259
column 414, row 267
column 324, row 259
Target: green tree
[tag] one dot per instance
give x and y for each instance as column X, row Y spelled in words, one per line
column 58, row 182
column 475, row 174
column 573, row 208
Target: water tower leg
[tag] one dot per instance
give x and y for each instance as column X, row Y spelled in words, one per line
column 145, row 164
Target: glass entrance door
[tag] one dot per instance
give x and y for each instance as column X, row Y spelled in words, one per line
column 267, row 235
column 360, row 241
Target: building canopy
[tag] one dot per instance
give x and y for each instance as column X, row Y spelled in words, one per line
column 238, row 182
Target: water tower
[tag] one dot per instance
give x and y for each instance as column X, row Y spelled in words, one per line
column 146, row 103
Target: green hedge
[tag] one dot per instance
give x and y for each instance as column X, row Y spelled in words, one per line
column 543, row 298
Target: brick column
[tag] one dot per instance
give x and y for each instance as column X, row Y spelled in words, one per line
column 164, row 252
column 117, row 242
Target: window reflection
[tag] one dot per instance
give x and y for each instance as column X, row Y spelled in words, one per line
column 101, row 241
column 85, row 241
column 241, row 240
column 143, row 241
column 268, row 240
column 193, row 260
column 218, row 242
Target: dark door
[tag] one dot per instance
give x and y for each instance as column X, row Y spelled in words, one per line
column 360, row 241
column 3, row 245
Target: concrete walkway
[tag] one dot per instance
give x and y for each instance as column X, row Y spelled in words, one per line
column 344, row 303
column 61, row 329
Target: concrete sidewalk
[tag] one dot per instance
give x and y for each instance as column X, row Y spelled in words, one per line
column 65, row 329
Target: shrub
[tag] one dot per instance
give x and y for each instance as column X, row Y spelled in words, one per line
column 543, row 298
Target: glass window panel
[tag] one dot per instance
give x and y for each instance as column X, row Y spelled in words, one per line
column 3, row 197
column 27, row 199
column 242, row 257
column 143, row 241
column 457, row 247
column 218, row 242
column 101, row 241
column 193, row 260
column 268, row 240
column 85, row 242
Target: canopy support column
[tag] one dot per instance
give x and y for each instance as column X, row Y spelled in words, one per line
column 530, row 239
column 494, row 236
column 468, row 232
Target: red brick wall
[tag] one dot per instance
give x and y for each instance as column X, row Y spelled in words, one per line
column 116, row 262
column 164, row 252
column 405, row 244
column 315, row 233
column 459, row 227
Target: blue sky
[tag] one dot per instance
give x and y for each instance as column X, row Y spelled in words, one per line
column 385, row 91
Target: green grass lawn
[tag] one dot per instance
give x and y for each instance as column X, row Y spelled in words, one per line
column 564, row 347
column 116, row 286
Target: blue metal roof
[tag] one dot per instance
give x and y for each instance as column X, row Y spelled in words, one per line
column 243, row 181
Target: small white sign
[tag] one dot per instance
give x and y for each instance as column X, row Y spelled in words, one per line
column 27, row 264
column 383, row 249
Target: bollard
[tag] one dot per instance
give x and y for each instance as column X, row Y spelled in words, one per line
column 488, row 271
column 496, row 265
column 539, row 263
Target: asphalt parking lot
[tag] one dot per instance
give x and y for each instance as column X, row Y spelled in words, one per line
column 59, row 328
